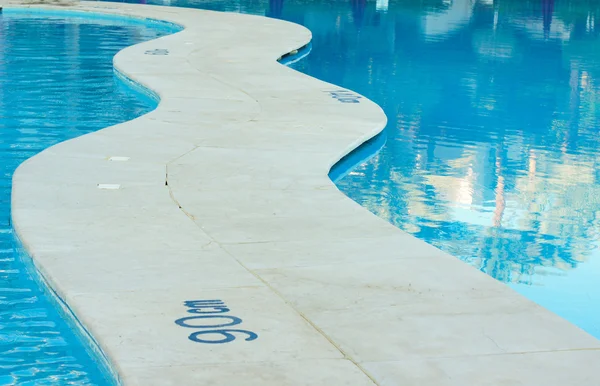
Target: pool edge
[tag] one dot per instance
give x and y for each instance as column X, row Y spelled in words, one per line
column 177, row 187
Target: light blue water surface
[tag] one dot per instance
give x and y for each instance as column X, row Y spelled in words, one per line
column 492, row 145
column 56, row 83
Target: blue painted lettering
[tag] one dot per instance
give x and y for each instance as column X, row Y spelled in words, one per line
column 207, row 311
column 183, row 322
column 227, row 334
column 345, row 96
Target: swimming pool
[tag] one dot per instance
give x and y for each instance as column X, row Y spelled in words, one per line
column 56, row 83
column 491, row 149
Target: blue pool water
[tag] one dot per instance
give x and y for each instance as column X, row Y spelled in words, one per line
column 56, row 83
column 492, row 147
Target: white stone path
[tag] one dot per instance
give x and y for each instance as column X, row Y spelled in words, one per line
column 225, row 195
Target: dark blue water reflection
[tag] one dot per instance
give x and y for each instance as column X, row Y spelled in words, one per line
column 493, row 141
column 56, row 83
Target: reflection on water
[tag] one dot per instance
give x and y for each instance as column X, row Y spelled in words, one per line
column 493, row 143
column 492, row 150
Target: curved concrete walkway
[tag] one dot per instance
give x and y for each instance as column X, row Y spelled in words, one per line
column 224, row 203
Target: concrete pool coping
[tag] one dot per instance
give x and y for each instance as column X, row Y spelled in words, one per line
column 222, row 193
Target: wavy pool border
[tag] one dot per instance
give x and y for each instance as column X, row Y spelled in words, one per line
column 63, row 310
column 228, row 180
column 61, row 307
